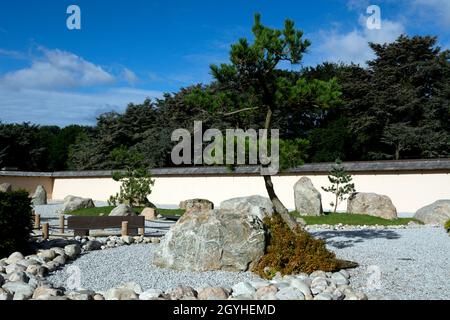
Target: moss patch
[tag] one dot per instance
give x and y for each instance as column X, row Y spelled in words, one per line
column 290, row 253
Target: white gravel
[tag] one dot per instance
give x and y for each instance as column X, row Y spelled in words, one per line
column 102, row 270
column 396, row 264
column 411, row 263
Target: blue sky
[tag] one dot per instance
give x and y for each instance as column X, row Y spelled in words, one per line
column 129, row 50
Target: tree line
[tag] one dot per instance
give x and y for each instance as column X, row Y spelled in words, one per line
column 395, row 107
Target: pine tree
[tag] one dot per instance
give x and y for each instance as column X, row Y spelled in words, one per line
column 341, row 184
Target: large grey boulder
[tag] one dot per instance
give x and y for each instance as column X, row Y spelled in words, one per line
column 308, row 201
column 435, row 213
column 5, row 187
column 212, row 240
column 72, row 203
column 40, row 196
column 372, row 204
column 122, row 210
column 257, row 206
column 196, row 205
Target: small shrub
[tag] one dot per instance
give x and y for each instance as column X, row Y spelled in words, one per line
column 341, row 184
column 136, row 186
column 291, row 253
column 447, row 226
column 15, row 222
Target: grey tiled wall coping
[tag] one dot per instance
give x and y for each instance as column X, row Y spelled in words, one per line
column 374, row 167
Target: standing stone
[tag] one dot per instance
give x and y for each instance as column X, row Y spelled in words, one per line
column 5, row 187
column 122, row 210
column 149, row 214
column 72, row 203
column 435, row 213
column 372, row 204
column 40, row 196
column 257, row 206
column 212, row 240
column 196, row 205
column 308, row 201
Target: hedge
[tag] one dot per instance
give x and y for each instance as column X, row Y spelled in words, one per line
column 15, row 222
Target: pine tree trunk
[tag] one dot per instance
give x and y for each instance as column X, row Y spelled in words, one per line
column 277, row 204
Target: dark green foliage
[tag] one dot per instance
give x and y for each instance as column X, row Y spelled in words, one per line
column 396, row 107
column 15, row 222
column 341, row 184
column 136, row 186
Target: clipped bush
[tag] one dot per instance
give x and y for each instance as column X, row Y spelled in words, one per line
column 15, row 222
column 291, row 253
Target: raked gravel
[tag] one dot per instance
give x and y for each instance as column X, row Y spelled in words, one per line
column 105, row 269
column 396, row 264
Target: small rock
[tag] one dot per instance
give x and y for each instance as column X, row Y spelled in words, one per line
column 47, row 255
column 42, row 292
column 319, row 282
column 345, row 273
column 99, row 297
column 264, row 291
column 323, row 296
column 243, row 288
column 151, row 294
column 213, row 293
column 339, row 278
column 27, row 262
column 20, row 290
column 290, row 293
column 120, row 294
column 72, row 250
column 132, row 286
column 14, row 268
column 182, row 292
column 128, row 240
column 60, row 260
column 18, row 276
column 14, row 257
column 51, row 266
column 81, row 295
column 318, row 273
column 155, row 240
column 303, row 287
column 59, row 251
column 5, row 295
column 92, row 245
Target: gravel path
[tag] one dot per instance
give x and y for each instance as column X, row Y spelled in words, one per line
column 102, row 270
column 396, row 264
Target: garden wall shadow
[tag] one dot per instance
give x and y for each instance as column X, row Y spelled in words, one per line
column 345, row 239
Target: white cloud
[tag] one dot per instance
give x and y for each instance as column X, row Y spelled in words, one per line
column 64, row 108
column 353, row 46
column 436, row 10
column 130, row 76
column 57, row 69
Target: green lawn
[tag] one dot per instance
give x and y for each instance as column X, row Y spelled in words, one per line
column 353, row 219
column 107, row 210
column 329, row 218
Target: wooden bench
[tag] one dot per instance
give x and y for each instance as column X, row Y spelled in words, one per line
column 82, row 225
